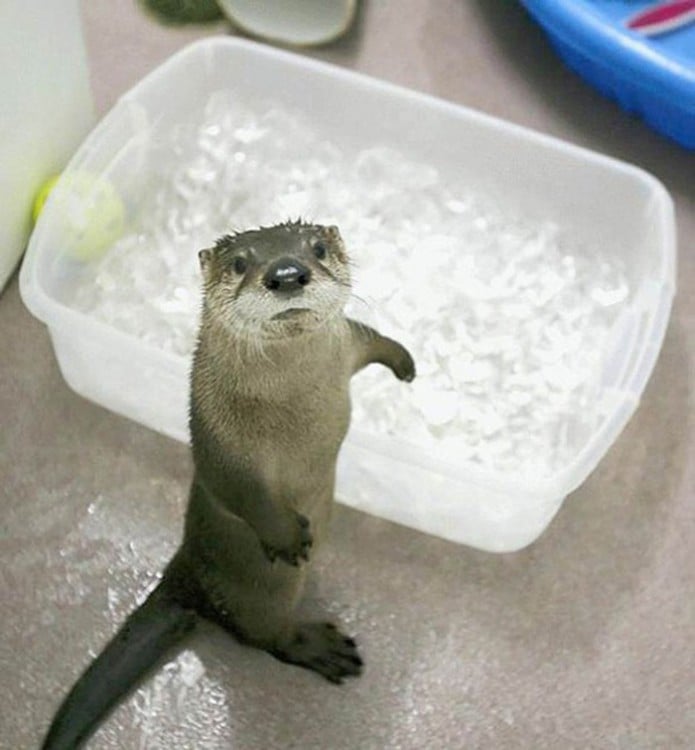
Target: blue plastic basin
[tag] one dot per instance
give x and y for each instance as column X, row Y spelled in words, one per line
column 651, row 76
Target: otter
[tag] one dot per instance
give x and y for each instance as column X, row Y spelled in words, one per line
column 269, row 408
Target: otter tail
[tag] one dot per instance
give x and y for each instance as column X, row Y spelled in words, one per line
column 145, row 637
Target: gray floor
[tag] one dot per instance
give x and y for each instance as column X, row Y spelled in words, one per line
column 585, row 640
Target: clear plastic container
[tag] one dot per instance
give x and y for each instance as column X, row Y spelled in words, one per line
column 603, row 202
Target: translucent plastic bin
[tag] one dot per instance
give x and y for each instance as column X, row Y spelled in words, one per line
column 601, row 201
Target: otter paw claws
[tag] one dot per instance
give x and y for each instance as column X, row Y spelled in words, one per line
column 404, row 366
column 298, row 548
column 322, row 648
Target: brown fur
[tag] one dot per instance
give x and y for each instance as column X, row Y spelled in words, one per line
column 267, row 421
column 269, row 410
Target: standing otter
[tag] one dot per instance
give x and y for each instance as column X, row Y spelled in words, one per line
column 269, row 409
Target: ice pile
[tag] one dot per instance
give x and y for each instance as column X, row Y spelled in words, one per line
column 506, row 319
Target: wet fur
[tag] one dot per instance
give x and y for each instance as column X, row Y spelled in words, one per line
column 269, row 410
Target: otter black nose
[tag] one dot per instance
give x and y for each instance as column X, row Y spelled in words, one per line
column 286, row 275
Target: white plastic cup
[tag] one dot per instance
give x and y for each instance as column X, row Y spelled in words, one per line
column 296, row 22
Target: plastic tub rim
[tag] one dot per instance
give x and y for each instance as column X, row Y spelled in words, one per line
column 559, row 483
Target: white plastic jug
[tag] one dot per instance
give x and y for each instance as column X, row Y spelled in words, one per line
column 45, row 108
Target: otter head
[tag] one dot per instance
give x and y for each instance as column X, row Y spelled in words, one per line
column 276, row 281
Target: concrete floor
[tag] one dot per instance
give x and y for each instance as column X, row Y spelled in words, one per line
column 585, row 640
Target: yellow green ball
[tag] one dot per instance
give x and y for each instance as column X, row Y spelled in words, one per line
column 41, row 196
column 89, row 214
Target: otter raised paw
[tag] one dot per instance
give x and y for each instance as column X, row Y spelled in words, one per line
column 401, row 363
column 371, row 346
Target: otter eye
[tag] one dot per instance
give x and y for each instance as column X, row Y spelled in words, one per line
column 320, row 250
column 240, row 265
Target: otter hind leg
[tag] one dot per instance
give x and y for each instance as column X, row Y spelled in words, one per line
column 318, row 646
column 322, row 648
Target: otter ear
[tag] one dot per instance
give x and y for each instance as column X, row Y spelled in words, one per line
column 207, row 262
column 205, row 257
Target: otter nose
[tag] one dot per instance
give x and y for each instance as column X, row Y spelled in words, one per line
column 286, row 275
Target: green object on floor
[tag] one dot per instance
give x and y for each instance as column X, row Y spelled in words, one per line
column 179, row 12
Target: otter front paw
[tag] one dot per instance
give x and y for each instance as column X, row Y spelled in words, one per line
column 402, row 364
column 292, row 542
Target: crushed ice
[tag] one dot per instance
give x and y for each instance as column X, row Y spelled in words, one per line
column 505, row 318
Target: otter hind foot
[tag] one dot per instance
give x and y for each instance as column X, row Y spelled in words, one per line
column 322, row 648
